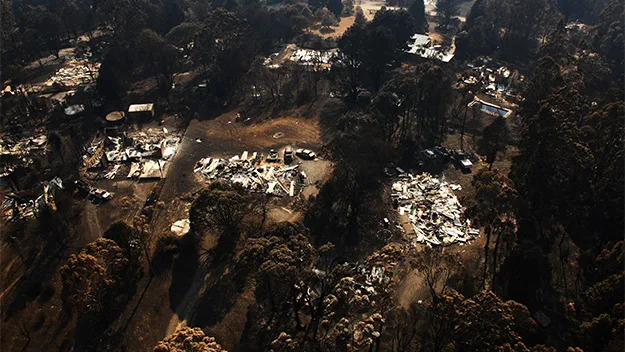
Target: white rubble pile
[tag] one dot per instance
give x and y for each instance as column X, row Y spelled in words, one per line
column 143, row 145
column 433, row 209
column 181, row 227
column 494, row 79
column 76, row 73
column 147, row 152
column 312, row 57
column 11, row 145
column 246, row 170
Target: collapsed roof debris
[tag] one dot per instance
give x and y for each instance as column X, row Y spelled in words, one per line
column 147, row 152
column 421, row 45
column 301, row 56
column 493, row 79
column 433, row 209
column 140, row 145
column 76, row 73
column 18, row 150
column 312, row 57
column 148, row 169
column 28, row 203
column 271, row 179
column 11, row 145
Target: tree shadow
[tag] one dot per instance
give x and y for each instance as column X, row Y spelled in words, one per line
column 329, row 117
column 92, row 335
column 167, row 248
column 225, row 284
column 250, row 336
column 219, row 298
column 34, row 282
column 263, row 109
column 183, row 270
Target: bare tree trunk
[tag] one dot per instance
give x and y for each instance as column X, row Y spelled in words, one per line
column 377, row 340
column 147, row 257
column 495, row 147
column 464, row 121
column 488, row 234
column 264, row 211
column 563, row 265
column 298, row 321
column 134, row 311
column 495, row 258
column 13, row 242
column 26, row 334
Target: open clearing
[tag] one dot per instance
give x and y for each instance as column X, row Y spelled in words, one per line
column 336, row 31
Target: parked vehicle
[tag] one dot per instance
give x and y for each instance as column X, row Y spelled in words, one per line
column 466, row 164
column 288, row 154
column 428, row 153
column 442, row 152
column 305, row 154
column 100, row 194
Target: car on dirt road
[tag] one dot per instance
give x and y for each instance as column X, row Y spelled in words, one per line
column 305, row 154
column 97, row 195
column 442, row 152
column 428, row 153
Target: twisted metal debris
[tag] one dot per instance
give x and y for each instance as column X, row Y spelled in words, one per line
column 247, row 170
column 435, row 214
